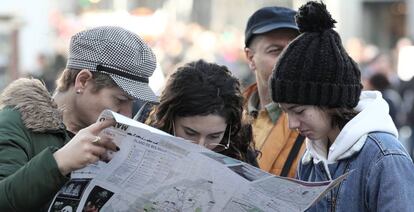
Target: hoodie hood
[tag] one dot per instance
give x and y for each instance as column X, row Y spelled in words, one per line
column 373, row 116
column 30, row 97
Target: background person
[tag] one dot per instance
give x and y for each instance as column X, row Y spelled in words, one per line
column 107, row 68
column 202, row 102
column 268, row 32
column 380, row 82
column 319, row 86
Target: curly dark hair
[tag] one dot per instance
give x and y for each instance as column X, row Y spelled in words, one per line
column 200, row 88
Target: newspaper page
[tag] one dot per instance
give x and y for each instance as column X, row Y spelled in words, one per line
column 154, row 171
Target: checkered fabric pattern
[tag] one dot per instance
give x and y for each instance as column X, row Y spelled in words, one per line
column 119, row 53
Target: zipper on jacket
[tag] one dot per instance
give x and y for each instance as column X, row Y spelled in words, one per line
column 334, row 197
column 330, row 199
column 333, row 203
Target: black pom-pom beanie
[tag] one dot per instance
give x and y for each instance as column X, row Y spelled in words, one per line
column 315, row 69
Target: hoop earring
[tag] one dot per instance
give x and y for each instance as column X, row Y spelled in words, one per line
column 228, row 139
column 173, row 128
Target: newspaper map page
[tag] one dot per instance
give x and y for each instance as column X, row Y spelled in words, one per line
column 154, row 171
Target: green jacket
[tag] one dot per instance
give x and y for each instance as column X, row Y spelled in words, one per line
column 31, row 130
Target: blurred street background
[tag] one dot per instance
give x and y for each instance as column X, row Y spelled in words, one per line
column 34, row 38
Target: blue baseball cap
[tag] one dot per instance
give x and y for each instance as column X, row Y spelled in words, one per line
column 267, row 19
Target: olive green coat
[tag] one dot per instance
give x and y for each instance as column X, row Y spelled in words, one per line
column 31, row 130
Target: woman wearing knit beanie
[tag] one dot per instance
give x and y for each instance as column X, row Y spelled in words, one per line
column 318, row 85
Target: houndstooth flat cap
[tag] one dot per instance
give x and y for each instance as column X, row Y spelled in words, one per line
column 119, row 53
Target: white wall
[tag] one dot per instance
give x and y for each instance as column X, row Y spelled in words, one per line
column 35, row 33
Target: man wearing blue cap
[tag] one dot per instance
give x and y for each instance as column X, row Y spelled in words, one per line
column 268, row 32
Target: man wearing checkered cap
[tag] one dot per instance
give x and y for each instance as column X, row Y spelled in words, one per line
column 108, row 67
column 44, row 139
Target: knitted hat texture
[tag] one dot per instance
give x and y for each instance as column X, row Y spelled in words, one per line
column 315, row 69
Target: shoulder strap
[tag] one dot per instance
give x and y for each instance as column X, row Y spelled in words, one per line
column 292, row 155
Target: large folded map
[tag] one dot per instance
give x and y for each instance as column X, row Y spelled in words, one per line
column 154, row 171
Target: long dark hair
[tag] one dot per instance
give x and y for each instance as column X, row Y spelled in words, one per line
column 201, row 88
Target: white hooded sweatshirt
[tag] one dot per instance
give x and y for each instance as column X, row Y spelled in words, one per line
column 373, row 116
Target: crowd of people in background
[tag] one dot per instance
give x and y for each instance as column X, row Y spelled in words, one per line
column 178, row 44
column 379, row 72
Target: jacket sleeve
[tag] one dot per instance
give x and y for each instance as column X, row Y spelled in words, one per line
column 26, row 183
column 391, row 184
